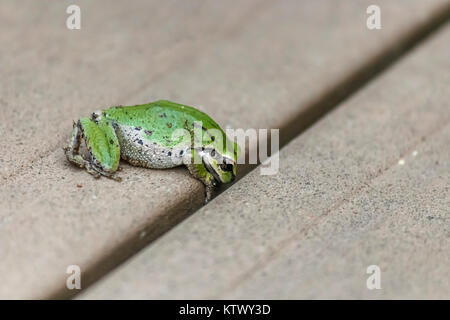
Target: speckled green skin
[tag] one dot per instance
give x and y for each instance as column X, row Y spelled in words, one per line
column 161, row 119
column 148, row 135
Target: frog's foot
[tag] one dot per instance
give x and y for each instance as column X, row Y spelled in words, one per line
column 73, row 146
column 91, row 169
column 209, row 192
column 199, row 172
column 76, row 159
column 97, row 171
column 110, row 175
column 102, row 144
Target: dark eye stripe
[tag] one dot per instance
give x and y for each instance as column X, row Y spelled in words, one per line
column 226, row 167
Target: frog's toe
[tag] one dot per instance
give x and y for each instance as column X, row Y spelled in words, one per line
column 209, row 192
column 110, row 175
column 116, row 178
column 90, row 169
column 107, row 174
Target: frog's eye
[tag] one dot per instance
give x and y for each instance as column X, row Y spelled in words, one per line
column 214, row 154
column 226, row 167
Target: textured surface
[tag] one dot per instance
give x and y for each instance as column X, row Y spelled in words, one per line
column 399, row 222
column 368, row 184
column 248, row 70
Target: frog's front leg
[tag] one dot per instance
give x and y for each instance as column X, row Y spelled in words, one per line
column 102, row 144
column 199, row 171
column 210, row 190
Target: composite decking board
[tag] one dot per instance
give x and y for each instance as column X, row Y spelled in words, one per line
column 366, row 185
column 242, row 73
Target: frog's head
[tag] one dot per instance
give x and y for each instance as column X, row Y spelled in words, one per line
column 221, row 164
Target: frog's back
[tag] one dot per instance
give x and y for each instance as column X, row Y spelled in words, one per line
column 145, row 132
column 160, row 119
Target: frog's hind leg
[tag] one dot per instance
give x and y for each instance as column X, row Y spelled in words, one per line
column 73, row 146
column 102, row 144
